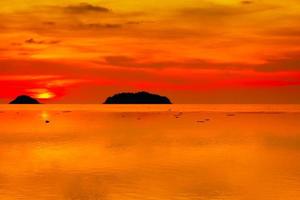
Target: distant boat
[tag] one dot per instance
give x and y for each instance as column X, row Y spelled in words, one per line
column 23, row 99
column 137, row 98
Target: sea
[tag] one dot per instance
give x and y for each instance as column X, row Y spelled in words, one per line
column 150, row 152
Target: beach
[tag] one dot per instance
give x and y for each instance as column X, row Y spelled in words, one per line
column 163, row 152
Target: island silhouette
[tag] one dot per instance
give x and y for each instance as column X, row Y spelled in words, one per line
column 137, row 98
column 24, row 99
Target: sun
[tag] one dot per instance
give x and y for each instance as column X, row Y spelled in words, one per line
column 43, row 94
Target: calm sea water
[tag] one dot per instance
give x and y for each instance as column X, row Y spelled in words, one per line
column 135, row 152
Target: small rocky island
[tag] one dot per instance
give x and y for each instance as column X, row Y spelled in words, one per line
column 23, row 99
column 137, row 98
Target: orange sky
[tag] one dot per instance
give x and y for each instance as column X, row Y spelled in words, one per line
column 208, row 51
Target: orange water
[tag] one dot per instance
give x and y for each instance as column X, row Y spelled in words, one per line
column 209, row 152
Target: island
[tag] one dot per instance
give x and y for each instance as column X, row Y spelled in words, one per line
column 137, row 98
column 23, row 99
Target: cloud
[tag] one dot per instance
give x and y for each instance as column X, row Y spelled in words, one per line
column 33, row 41
column 129, row 62
column 86, row 8
column 13, row 85
column 49, row 23
column 247, row 2
column 101, row 26
column 217, row 11
column 284, row 31
column 16, row 44
column 28, row 77
column 288, row 63
column 119, row 60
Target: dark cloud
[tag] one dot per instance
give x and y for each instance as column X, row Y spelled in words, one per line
column 126, row 62
column 139, row 22
column 86, row 7
column 247, row 2
column 119, row 60
column 33, row 41
column 49, row 23
column 101, row 26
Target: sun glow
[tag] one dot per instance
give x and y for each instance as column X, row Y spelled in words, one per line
column 43, row 94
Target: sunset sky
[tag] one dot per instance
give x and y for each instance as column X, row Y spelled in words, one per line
column 193, row 51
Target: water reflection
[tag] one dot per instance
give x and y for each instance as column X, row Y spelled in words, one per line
column 153, row 155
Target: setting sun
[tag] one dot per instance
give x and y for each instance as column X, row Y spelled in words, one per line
column 46, row 95
column 43, row 94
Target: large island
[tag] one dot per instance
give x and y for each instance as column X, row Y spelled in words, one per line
column 137, row 98
column 23, row 99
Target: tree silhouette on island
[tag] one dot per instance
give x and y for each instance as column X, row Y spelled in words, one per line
column 137, row 98
column 24, row 99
